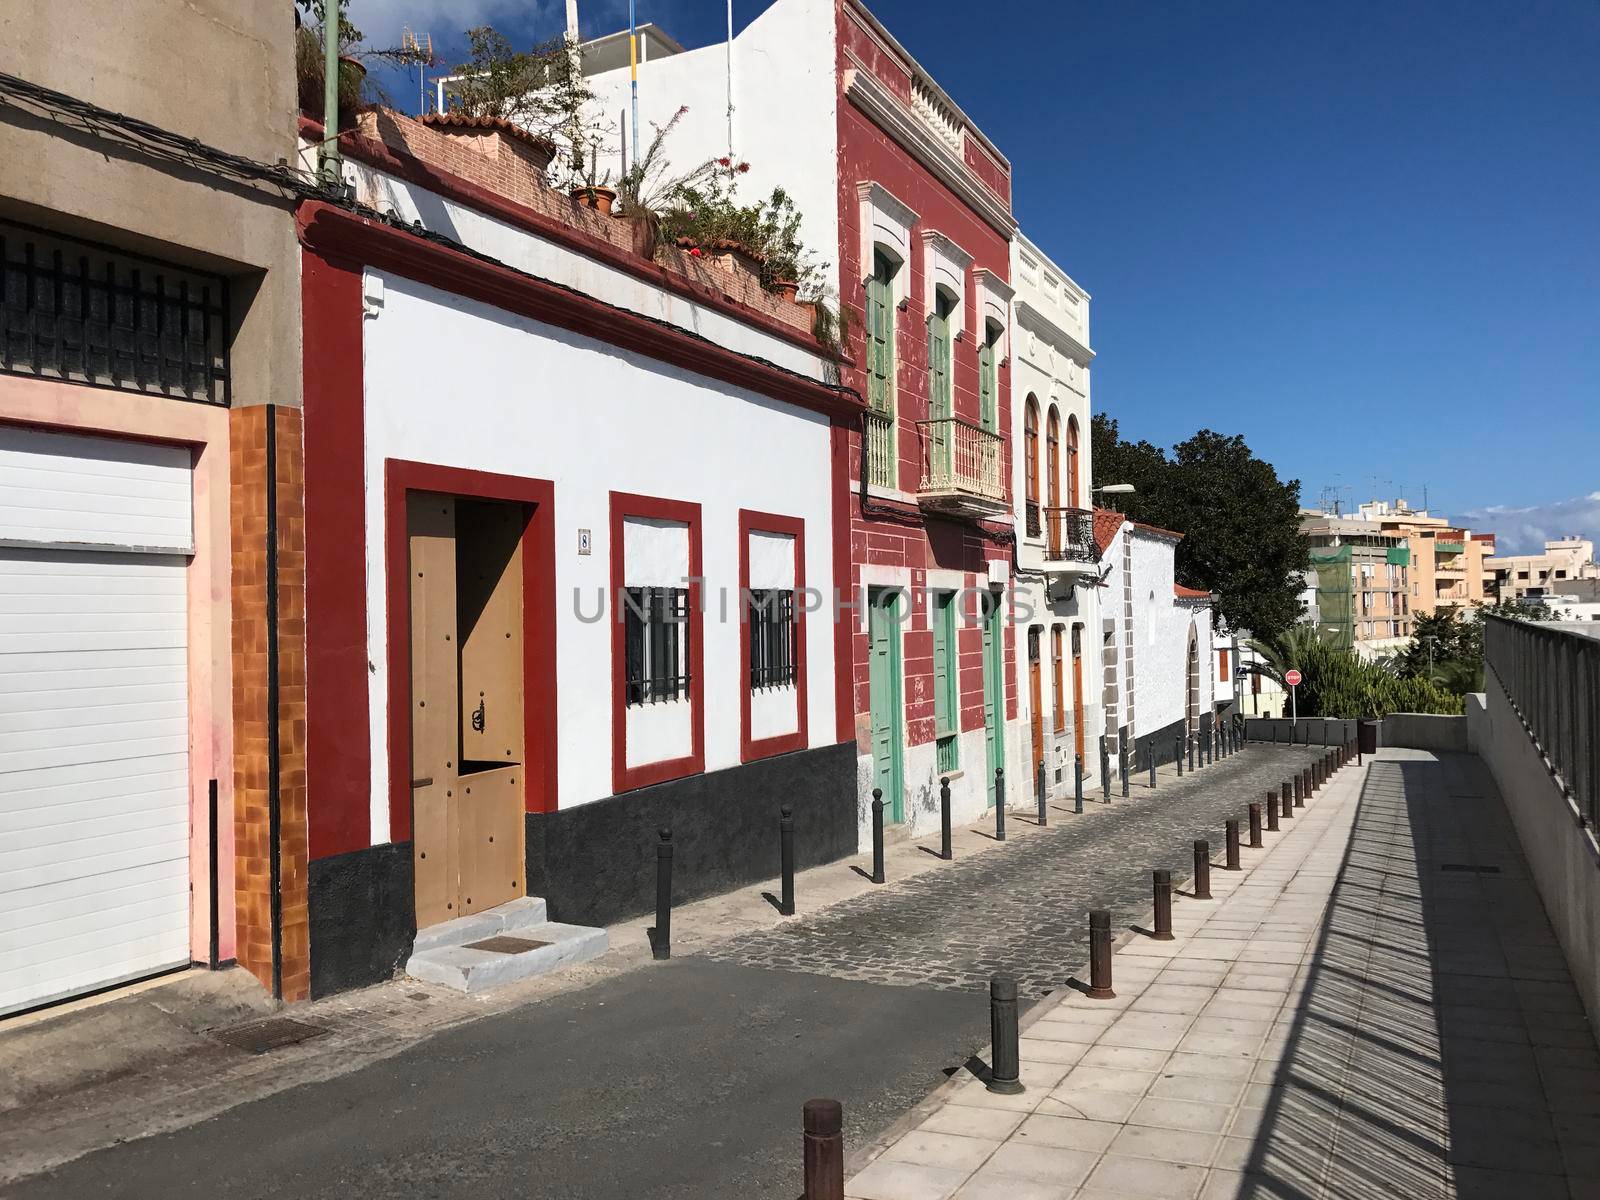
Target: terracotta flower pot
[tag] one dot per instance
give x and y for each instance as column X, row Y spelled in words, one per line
column 786, row 289
column 598, row 198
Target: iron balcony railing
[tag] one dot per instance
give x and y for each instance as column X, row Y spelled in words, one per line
column 961, row 456
column 1031, row 515
column 881, row 459
column 1551, row 677
column 1069, row 535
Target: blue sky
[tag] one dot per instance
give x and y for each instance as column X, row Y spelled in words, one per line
column 1364, row 235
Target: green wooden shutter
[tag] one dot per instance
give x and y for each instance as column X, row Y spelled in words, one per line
column 986, row 387
column 880, row 337
column 938, row 366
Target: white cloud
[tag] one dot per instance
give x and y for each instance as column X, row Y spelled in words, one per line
column 447, row 20
column 1525, row 530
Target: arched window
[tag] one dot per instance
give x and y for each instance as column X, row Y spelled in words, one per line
column 1030, row 464
column 1074, row 497
column 1052, row 479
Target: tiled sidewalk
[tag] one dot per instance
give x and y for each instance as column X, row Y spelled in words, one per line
column 1289, row 1042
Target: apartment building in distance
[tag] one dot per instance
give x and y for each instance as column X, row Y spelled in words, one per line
column 1535, row 576
column 1364, row 589
column 1448, row 567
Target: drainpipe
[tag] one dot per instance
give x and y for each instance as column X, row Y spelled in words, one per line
column 328, row 151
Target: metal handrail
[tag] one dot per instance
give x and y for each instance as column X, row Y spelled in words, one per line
column 1070, row 535
column 962, row 456
column 1551, row 678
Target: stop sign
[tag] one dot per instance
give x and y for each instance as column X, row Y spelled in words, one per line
column 1292, row 678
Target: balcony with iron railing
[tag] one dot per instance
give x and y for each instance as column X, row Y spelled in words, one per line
column 963, row 468
column 1069, row 545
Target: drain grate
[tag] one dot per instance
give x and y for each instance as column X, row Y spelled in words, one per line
column 270, row 1034
column 1476, row 868
column 504, row 944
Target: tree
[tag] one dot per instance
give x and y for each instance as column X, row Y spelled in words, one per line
column 1240, row 522
column 540, row 89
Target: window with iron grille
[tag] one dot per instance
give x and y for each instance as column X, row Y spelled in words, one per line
column 83, row 313
column 773, row 642
column 656, row 637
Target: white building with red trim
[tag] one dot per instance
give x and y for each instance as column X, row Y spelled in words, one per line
column 546, row 481
column 910, row 203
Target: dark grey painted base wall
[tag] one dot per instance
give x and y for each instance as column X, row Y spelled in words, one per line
column 362, row 915
column 596, row 863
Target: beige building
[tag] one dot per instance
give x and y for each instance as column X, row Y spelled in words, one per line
column 1448, row 567
column 1533, row 576
column 150, row 370
column 1363, row 582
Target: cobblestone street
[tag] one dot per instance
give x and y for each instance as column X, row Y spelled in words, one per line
column 1025, row 909
column 698, row 1065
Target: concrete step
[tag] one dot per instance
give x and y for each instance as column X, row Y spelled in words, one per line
column 510, row 917
column 522, row 953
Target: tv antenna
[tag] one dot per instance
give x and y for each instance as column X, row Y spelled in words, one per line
column 418, row 47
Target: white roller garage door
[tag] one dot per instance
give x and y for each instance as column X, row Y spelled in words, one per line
column 94, row 723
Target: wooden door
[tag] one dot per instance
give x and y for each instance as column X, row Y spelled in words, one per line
column 431, row 528
column 489, row 621
column 1036, row 696
column 994, row 688
column 467, row 702
column 1077, row 690
column 883, row 635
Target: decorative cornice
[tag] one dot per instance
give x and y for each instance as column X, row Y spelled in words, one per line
column 339, row 235
column 1040, row 323
column 883, row 109
column 879, row 33
column 882, row 198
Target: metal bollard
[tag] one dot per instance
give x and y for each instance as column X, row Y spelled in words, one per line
column 823, row 1149
column 877, row 835
column 786, row 845
column 999, row 804
column 1044, row 817
column 1100, row 956
column 1150, row 752
column 1307, row 789
column 1005, row 1071
column 1122, row 765
column 1255, row 826
column 1105, row 771
column 945, row 852
column 1272, row 812
column 661, row 935
column 1231, row 839
column 1077, row 783
column 1177, row 754
column 1292, row 784
column 1191, row 742
column 1274, row 735
column 1202, row 869
column 1162, row 881
column 1288, row 805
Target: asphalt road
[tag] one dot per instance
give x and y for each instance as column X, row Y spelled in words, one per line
column 686, row 1080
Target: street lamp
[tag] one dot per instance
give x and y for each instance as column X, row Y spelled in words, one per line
column 1115, row 489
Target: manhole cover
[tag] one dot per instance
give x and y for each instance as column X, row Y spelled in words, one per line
column 1476, row 868
column 506, row 945
column 260, row 1036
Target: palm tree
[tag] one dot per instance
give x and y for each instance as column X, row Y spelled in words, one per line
column 1286, row 650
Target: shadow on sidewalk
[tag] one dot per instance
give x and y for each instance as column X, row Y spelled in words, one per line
column 1440, row 1048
